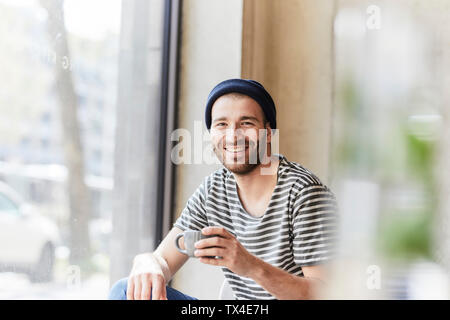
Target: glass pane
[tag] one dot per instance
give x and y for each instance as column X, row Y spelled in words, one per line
column 58, row 88
column 6, row 205
column 389, row 116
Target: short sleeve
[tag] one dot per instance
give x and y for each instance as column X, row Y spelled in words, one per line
column 193, row 216
column 314, row 225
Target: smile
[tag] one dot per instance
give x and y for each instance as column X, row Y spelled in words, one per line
column 234, row 149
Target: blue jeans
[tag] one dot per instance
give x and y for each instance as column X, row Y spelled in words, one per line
column 119, row 292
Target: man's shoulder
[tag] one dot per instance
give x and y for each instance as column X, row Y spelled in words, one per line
column 298, row 174
column 305, row 182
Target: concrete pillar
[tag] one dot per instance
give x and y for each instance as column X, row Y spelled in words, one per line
column 288, row 46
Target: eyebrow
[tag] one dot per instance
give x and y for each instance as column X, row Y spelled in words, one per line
column 242, row 118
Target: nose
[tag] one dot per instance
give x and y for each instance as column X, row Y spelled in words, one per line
column 234, row 136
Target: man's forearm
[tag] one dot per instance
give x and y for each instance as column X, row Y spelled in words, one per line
column 283, row 285
column 172, row 257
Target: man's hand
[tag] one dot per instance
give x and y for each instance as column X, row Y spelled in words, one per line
column 232, row 254
column 148, row 278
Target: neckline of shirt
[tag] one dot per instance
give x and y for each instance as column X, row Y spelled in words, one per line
column 282, row 166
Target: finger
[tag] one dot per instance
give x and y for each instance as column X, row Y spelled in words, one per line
column 130, row 288
column 164, row 293
column 212, row 261
column 157, row 290
column 221, row 231
column 137, row 289
column 146, row 288
column 210, row 252
column 211, row 242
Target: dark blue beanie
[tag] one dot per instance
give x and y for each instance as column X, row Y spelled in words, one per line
column 251, row 88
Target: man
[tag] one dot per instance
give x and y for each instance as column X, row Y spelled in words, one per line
column 273, row 221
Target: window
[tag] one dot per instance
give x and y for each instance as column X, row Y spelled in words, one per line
column 7, row 206
column 390, row 59
column 83, row 117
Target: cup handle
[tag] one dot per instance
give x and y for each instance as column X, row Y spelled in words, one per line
column 177, row 245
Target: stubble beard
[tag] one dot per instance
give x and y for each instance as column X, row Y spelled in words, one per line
column 238, row 166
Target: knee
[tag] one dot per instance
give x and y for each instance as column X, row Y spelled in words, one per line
column 119, row 290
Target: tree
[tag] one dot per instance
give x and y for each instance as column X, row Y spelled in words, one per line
column 79, row 197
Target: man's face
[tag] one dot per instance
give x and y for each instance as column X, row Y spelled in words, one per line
column 235, row 132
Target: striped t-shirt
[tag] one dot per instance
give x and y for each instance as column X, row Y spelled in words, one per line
column 297, row 229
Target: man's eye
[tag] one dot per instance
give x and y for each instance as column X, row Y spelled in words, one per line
column 247, row 123
column 220, row 124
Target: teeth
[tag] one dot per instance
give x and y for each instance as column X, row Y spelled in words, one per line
column 231, row 149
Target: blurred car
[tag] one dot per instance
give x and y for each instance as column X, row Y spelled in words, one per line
column 27, row 239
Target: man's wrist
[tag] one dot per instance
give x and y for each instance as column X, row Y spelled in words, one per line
column 164, row 267
column 258, row 270
column 151, row 263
